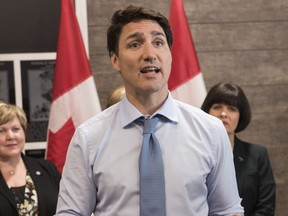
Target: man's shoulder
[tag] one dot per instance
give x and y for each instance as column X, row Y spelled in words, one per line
column 196, row 113
column 101, row 117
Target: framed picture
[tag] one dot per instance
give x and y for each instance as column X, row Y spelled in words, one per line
column 7, row 88
column 37, row 83
column 24, row 78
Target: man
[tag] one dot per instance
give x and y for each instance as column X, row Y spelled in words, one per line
column 104, row 172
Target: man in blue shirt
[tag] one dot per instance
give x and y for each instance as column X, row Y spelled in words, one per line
column 101, row 173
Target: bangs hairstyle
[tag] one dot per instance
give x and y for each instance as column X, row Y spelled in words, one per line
column 134, row 14
column 231, row 95
column 9, row 112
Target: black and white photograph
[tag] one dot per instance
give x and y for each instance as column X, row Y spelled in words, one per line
column 37, row 82
column 7, row 89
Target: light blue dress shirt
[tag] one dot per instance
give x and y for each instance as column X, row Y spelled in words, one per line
column 101, row 172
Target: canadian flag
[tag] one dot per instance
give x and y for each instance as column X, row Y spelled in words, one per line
column 74, row 94
column 186, row 81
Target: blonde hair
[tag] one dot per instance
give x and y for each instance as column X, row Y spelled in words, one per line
column 115, row 96
column 10, row 111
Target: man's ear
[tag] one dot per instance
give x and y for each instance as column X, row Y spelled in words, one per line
column 114, row 61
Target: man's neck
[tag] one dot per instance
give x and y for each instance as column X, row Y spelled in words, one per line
column 147, row 105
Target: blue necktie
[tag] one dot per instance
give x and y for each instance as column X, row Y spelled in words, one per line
column 152, row 183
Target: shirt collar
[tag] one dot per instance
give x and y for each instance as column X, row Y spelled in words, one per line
column 128, row 113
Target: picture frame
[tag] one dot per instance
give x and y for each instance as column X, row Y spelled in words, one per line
column 7, row 87
column 37, row 83
column 36, row 140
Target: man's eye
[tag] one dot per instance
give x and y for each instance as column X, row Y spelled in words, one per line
column 134, row 45
column 158, row 43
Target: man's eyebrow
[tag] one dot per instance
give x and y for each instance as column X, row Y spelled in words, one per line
column 140, row 35
column 135, row 35
column 156, row 33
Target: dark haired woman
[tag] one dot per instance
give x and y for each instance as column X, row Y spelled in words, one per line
column 255, row 180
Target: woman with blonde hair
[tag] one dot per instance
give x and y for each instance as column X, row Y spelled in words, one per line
column 28, row 186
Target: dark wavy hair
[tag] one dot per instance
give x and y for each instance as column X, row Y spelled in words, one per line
column 231, row 95
column 134, row 14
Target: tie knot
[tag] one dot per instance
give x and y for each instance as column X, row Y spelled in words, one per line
column 149, row 124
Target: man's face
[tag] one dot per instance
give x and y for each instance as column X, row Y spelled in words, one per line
column 144, row 58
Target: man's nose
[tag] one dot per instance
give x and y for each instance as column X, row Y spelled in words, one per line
column 149, row 53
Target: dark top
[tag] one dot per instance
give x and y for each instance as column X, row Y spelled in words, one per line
column 255, row 179
column 46, row 179
column 18, row 193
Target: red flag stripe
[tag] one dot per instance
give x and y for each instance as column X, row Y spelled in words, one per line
column 71, row 56
column 185, row 67
column 58, row 155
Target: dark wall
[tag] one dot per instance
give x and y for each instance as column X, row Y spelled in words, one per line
column 29, row 26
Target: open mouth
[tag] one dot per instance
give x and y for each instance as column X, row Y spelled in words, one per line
column 150, row 69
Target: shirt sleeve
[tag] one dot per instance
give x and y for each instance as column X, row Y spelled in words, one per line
column 223, row 196
column 77, row 195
